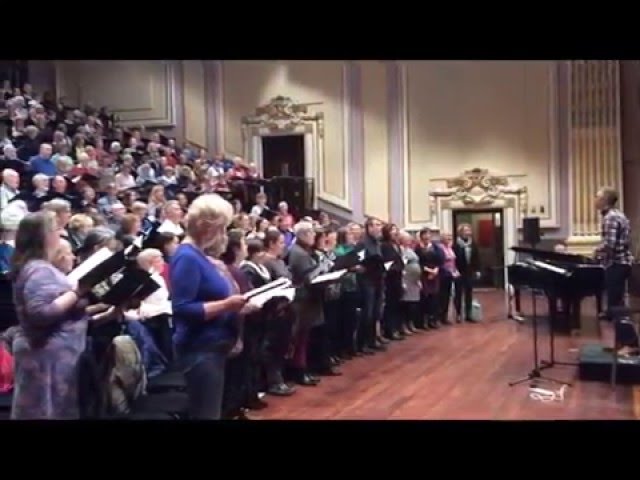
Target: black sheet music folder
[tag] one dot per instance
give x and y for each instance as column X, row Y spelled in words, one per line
column 98, row 267
column 133, row 284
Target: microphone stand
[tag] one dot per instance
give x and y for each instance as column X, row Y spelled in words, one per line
column 536, row 372
column 538, row 367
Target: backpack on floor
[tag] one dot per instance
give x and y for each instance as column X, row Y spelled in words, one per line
column 127, row 380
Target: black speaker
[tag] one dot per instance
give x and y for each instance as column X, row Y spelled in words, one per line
column 531, row 230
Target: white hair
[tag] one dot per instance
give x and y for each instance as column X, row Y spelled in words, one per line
column 57, row 205
column 39, row 177
column 170, row 204
column 302, row 228
column 211, row 206
column 64, row 161
column 146, row 256
column 7, row 173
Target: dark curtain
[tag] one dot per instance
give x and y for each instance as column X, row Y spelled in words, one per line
column 17, row 71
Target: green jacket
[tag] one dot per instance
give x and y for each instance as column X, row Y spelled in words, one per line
column 349, row 282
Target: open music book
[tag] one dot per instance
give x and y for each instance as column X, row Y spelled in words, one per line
column 387, row 265
column 97, row 268
column 349, row 260
column 287, row 293
column 132, row 284
column 281, row 283
column 101, row 266
column 328, row 277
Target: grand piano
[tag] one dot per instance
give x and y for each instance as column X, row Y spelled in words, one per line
column 563, row 277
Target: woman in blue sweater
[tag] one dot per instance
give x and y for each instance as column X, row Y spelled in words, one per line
column 204, row 308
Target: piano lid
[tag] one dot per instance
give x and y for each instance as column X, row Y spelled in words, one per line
column 553, row 256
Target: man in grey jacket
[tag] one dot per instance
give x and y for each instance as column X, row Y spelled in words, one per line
column 308, row 305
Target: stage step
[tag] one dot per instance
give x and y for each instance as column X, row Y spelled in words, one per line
column 595, row 364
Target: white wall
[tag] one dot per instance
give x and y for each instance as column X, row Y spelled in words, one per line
column 250, row 84
column 195, row 113
column 376, row 142
column 142, row 92
column 481, row 114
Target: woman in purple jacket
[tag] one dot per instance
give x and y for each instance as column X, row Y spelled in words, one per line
column 53, row 322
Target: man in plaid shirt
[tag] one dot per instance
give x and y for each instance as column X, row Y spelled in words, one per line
column 614, row 251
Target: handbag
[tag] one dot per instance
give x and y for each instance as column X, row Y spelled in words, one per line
column 476, row 311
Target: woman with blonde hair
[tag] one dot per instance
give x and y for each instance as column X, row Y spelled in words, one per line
column 79, row 226
column 204, row 308
column 156, row 202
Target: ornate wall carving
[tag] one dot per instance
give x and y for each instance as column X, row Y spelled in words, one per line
column 247, row 84
column 480, row 189
column 282, row 116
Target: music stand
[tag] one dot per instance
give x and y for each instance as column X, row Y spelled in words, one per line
column 536, row 372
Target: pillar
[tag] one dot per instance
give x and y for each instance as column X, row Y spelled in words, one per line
column 595, row 158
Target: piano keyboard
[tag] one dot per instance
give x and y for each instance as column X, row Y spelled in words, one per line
column 551, row 268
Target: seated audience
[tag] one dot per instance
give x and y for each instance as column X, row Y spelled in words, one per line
column 149, row 196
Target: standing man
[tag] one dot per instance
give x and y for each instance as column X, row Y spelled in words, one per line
column 371, row 282
column 467, row 264
column 614, row 250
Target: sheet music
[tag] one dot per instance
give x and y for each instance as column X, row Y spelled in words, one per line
column 89, row 264
column 259, row 300
column 280, row 283
column 328, row 277
column 388, row 265
column 138, row 242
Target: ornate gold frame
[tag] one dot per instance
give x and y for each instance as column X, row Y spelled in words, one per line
column 282, row 116
column 478, row 188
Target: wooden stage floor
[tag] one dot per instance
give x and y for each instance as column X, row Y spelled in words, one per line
column 460, row 372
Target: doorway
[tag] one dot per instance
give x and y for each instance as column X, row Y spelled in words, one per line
column 488, row 234
column 283, row 156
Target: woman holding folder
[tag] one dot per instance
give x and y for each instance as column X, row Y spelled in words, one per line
column 204, row 307
column 53, row 325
